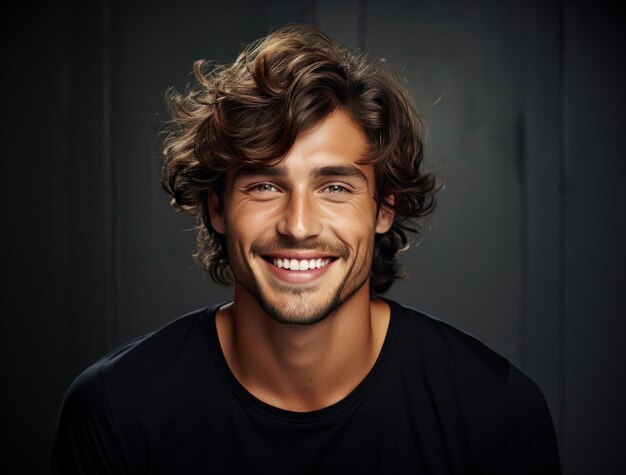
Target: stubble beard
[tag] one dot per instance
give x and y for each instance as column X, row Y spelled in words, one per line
column 299, row 311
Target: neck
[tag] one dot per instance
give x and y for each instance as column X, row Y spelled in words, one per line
column 302, row 368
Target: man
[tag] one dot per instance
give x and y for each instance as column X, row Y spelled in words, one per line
column 302, row 162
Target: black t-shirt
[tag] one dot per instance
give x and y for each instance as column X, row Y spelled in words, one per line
column 437, row 401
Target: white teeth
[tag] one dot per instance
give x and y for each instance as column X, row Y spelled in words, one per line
column 304, row 264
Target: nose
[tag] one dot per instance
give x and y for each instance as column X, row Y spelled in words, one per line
column 299, row 217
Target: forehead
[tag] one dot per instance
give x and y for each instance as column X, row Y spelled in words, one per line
column 336, row 146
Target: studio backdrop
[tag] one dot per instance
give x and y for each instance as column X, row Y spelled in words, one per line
column 524, row 104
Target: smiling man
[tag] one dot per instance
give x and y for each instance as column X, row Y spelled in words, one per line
column 300, row 239
column 302, row 161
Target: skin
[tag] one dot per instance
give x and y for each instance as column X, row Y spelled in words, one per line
column 303, row 340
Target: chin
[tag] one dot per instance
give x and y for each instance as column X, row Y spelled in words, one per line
column 299, row 310
column 302, row 305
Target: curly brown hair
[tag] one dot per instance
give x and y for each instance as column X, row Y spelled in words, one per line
column 250, row 112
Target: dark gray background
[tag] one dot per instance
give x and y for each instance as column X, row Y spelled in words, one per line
column 525, row 105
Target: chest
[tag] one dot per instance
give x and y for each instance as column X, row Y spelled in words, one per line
column 374, row 436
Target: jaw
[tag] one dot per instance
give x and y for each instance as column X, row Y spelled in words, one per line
column 310, row 302
column 292, row 297
column 300, row 297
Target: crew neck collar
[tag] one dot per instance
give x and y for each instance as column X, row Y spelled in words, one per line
column 335, row 409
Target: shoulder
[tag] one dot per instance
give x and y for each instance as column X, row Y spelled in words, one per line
column 454, row 364
column 439, row 346
column 150, row 362
column 98, row 418
column 158, row 345
column 503, row 410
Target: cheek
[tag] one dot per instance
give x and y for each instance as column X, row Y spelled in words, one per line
column 247, row 219
column 352, row 219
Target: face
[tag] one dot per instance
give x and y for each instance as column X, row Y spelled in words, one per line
column 300, row 233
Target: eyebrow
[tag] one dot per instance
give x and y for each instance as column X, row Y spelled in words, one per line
column 339, row 170
column 318, row 172
column 273, row 171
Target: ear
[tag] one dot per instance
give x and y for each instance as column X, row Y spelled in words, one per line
column 216, row 212
column 385, row 217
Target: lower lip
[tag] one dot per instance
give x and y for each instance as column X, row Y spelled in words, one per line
column 297, row 276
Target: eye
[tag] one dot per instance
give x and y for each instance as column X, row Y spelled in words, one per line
column 336, row 189
column 262, row 188
column 336, row 192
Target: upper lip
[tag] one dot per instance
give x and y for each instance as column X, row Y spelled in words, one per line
column 299, row 255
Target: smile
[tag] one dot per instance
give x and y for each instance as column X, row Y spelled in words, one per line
column 300, row 264
column 298, row 271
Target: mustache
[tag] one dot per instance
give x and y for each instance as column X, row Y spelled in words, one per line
column 282, row 243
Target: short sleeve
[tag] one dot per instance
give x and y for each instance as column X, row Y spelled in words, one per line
column 85, row 440
column 525, row 440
